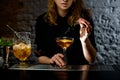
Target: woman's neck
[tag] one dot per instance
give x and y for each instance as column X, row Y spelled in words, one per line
column 62, row 13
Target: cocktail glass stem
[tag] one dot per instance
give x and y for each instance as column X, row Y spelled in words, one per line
column 64, row 53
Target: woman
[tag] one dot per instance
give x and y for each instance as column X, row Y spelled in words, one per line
column 65, row 18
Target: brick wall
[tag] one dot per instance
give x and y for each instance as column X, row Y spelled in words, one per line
column 21, row 15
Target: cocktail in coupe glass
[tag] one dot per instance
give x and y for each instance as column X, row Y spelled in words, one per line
column 64, row 42
column 22, row 46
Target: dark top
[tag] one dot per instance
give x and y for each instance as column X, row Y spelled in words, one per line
column 46, row 35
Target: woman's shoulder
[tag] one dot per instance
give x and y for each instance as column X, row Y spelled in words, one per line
column 41, row 16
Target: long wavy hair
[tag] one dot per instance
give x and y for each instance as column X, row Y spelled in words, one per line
column 76, row 11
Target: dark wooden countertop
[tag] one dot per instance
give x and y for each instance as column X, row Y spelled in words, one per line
column 70, row 72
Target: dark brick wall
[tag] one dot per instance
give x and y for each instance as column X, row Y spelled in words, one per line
column 21, row 15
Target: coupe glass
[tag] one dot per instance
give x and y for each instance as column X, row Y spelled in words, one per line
column 64, row 42
column 22, row 46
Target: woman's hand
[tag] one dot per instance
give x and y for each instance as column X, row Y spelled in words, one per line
column 58, row 60
column 85, row 29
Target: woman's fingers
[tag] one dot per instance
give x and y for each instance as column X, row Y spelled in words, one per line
column 85, row 24
column 57, row 58
column 83, row 21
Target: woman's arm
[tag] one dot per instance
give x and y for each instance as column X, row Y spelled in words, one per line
column 44, row 60
column 88, row 50
column 56, row 59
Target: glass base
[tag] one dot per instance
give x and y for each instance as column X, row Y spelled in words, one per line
column 23, row 65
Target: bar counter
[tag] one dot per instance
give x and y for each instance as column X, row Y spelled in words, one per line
column 69, row 72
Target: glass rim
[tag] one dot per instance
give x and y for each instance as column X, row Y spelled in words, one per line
column 65, row 37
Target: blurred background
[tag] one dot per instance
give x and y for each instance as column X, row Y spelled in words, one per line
column 21, row 16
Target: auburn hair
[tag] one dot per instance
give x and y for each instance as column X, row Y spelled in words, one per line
column 76, row 11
